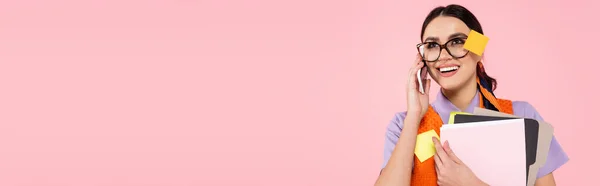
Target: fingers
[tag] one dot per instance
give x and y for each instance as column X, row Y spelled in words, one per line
column 427, row 86
column 418, row 59
column 450, row 153
column 438, row 162
column 418, row 63
column 412, row 81
column 413, row 84
column 439, row 150
column 424, row 72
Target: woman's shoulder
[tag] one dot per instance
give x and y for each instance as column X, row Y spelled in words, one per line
column 526, row 110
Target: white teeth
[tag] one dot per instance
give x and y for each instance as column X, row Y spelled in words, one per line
column 446, row 69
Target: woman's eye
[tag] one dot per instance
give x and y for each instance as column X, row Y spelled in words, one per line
column 432, row 45
column 458, row 42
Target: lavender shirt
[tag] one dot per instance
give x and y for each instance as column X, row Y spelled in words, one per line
column 556, row 156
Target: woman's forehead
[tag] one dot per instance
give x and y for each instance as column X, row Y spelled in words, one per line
column 442, row 27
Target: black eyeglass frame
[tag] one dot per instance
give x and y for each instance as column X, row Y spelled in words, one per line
column 442, row 47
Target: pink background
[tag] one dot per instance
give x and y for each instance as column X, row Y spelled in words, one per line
column 267, row 92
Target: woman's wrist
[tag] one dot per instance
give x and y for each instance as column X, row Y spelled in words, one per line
column 413, row 113
column 412, row 119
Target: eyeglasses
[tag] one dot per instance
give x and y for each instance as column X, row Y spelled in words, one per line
column 430, row 51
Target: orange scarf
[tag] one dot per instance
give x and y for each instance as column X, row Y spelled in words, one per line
column 424, row 173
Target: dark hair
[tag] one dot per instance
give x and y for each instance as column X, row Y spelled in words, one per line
column 470, row 20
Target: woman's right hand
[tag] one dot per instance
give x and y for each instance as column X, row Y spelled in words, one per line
column 417, row 103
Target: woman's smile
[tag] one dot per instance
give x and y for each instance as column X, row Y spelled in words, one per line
column 448, row 71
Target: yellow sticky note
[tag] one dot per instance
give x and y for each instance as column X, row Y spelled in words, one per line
column 454, row 113
column 424, row 148
column 476, row 42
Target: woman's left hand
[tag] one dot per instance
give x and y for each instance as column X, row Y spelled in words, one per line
column 451, row 171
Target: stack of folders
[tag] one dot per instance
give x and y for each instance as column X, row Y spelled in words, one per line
column 500, row 149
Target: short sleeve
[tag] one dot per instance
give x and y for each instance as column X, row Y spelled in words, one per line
column 392, row 134
column 556, row 155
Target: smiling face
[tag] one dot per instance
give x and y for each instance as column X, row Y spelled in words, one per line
column 455, row 69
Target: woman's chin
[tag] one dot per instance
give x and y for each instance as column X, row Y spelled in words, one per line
column 451, row 86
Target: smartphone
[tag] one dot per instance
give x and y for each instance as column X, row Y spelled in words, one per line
column 422, row 73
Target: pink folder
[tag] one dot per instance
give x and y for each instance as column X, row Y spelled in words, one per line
column 545, row 138
column 494, row 150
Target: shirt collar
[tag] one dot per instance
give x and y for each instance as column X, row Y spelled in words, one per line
column 443, row 106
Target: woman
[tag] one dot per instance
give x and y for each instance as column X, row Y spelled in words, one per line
column 464, row 85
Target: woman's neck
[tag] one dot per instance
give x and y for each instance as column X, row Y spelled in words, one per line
column 462, row 97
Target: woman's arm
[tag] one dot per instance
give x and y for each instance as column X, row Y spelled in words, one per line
column 547, row 180
column 398, row 169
